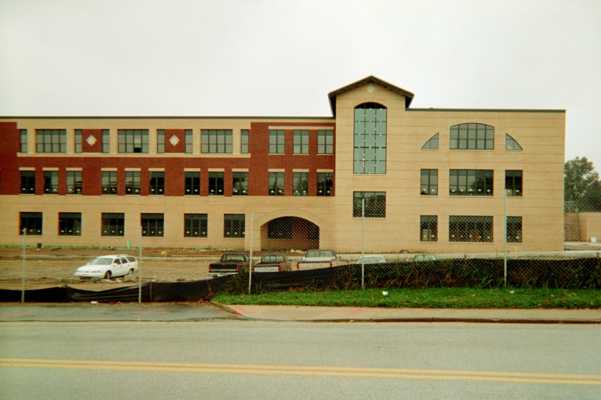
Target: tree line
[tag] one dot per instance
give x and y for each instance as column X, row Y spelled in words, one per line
column 582, row 186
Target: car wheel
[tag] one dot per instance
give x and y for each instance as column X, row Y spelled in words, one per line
column 108, row 275
column 131, row 271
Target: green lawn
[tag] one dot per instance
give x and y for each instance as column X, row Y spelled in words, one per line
column 428, row 298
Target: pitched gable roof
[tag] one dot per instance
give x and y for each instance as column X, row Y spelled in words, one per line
column 370, row 79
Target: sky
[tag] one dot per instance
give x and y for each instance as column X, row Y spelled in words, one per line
column 259, row 57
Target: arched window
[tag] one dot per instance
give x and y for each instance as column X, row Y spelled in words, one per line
column 511, row 143
column 432, row 143
column 472, row 136
column 369, row 152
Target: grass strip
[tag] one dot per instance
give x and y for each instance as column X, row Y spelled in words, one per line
column 426, row 298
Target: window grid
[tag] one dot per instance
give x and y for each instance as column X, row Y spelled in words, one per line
column 50, row 181
column 469, row 228
column 77, row 141
column 325, row 142
column 513, row 182
column 109, row 182
column 276, row 141
column 106, row 141
column 301, row 142
column 429, row 182
column 280, row 228
column 472, row 136
column 132, row 140
column 369, row 154
column 191, row 183
column 233, row 225
column 428, row 231
column 51, row 141
column 432, row 143
column 216, row 141
column 239, row 183
column 300, row 183
column 471, row 182
column 157, row 182
column 113, row 224
column 195, row 225
column 132, row 182
column 511, row 144
column 276, row 183
column 31, row 223
column 244, row 141
column 325, row 183
column 22, row 140
column 215, row 183
column 69, row 224
column 514, row 229
column 160, row 140
column 27, row 181
column 74, row 182
column 189, row 141
column 152, row 224
column 375, row 204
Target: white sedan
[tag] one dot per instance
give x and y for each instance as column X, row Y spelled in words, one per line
column 108, row 267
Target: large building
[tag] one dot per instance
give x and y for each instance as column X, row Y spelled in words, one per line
column 377, row 173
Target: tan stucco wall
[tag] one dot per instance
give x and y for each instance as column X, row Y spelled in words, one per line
column 590, row 226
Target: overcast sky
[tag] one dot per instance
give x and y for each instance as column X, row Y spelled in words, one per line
column 169, row 57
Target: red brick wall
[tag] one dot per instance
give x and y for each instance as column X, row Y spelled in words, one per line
column 97, row 146
column 180, row 147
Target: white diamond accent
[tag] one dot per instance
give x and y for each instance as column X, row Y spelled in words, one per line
column 173, row 140
column 91, row 140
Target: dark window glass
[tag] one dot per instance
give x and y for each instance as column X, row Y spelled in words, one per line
column 109, row 182
column 189, row 141
column 27, row 181
column 374, row 204
column 51, row 141
column 513, row 182
column 77, row 141
column 50, row 181
column 74, row 182
column 511, row 144
column 215, row 183
column 233, row 225
column 157, row 182
column 472, row 136
column 325, row 142
column 195, row 225
column 30, row 223
column 276, row 183
column 152, row 224
column 113, row 224
column 471, row 182
column 514, row 229
column 240, row 183
column 300, row 183
column 191, row 182
column 276, row 141
column 428, row 231
column 301, row 142
column 280, row 228
column 244, row 141
column 429, row 182
column 132, row 182
column 22, row 140
column 369, row 154
column 69, row 224
column 325, row 183
column 469, row 228
column 106, row 141
column 132, row 140
column 432, row 143
column 160, row 140
column 216, row 141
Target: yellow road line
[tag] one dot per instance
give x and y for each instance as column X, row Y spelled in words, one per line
column 316, row 371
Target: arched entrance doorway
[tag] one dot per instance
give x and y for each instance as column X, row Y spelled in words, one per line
column 286, row 233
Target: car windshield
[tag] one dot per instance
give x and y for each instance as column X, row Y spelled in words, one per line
column 312, row 253
column 101, row 261
column 234, row 257
column 272, row 259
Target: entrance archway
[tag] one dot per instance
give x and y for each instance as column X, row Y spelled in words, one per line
column 286, row 233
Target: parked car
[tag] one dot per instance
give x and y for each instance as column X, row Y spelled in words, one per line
column 272, row 263
column 371, row 259
column 325, row 257
column 109, row 266
column 424, row 257
column 229, row 263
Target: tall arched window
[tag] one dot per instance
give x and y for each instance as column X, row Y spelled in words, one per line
column 511, row 143
column 369, row 153
column 472, row 136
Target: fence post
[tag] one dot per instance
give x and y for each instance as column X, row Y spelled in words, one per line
column 362, row 242
column 139, row 274
column 505, row 237
column 250, row 258
column 23, row 256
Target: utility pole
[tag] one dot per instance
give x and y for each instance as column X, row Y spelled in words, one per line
column 250, row 257
column 23, row 256
column 362, row 243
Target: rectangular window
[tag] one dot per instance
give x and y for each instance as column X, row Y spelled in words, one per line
column 233, row 225
column 240, row 183
column 469, row 228
column 244, row 141
column 50, row 181
column 215, row 183
column 22, row 140
column 325, row 142
column 276, row 183
column 160, row 140
column 132, row 182
column 429, row 182
column 74, row 182
column 513, row 182
column 152, row 224
column 216, row 141
column 276, row 141
column 157, row 182
column 132, row 140
column 472, row 136
column 369, row 149
column 109, row 182
column 280, row 228
column 106, row 141
column 300, row 183
column 471, row 182
column 113, row 224
column 369, row 204
column 189, row 141
column 51, row 140
column 325, row 183
column 195, row 225
column 428, row 231
column 191, row 182
column 514, row 229
column 77, row 141
column 69, row 224
column 27, row 181
column 301, row 142
column 30, row 223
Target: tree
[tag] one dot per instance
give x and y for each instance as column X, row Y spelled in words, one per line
column 582, row 187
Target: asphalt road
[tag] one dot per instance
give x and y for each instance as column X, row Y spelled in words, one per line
column 285, row 360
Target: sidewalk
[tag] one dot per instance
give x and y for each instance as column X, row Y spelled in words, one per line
column 369, row 314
